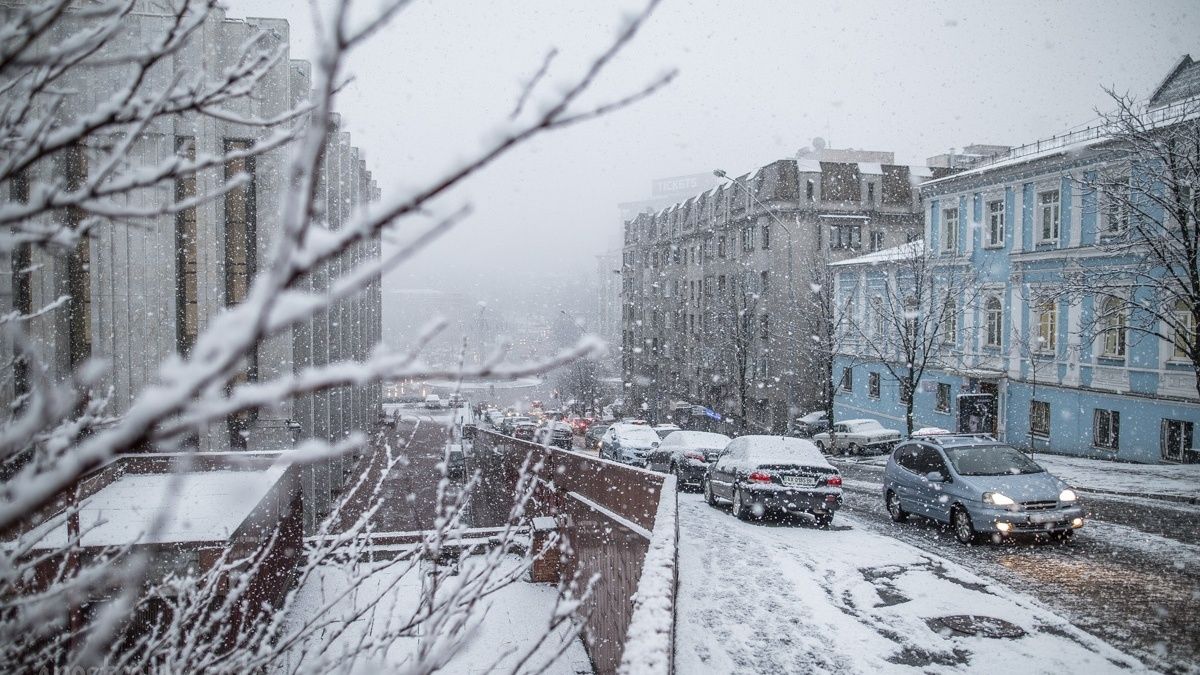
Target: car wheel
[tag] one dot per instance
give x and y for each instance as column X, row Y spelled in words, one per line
column 964, row 531
column 739, row 505
column 855, row 449
column 821, row 446
column 898, row 514
column 708, row 493
column 824, row 520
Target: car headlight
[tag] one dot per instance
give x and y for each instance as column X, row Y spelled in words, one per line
column 1067, row 495
column 998, row 499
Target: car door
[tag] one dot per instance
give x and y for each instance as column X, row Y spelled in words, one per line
column 939, row 502
column 606, row 443
column 723, row 473
column 905, row 481
column 926, row 494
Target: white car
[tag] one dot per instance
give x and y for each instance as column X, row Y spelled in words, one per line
column 857, row 437
column 433, row 402
column 628, row 443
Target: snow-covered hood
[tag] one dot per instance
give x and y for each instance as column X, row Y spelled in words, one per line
column 1026, row 487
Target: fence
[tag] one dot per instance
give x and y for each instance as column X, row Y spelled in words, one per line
column 620, row 522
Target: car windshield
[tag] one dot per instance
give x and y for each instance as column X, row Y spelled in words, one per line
column 638, row 435
column 991, row 460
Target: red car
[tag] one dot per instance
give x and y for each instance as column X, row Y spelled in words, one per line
column 580, row 425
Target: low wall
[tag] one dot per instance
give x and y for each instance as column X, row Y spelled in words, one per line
column 620, row 522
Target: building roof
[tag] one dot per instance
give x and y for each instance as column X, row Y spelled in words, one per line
column 1183, row 81
column 902, row 252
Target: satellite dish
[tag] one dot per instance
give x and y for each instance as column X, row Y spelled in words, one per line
column 818, row 144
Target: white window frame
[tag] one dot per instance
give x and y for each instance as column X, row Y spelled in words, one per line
column 993, row 322
column 1111, row 440
column 1184, row 317
column 1033, row 430
column 1110, row 206
column 1047, row 340
column 950, row 334
column 996, row 223
column 950, row 233
column 1114, row 340
column 1045, row 208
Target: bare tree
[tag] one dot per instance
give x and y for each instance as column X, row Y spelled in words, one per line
column 59, row 430
column 1148, row 201
column 911, row 319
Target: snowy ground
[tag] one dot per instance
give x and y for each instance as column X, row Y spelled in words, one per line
column 1180, row 480
column 507, row 622
column 789, row 598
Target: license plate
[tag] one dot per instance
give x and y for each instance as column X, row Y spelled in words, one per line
column 799, row 481
column 1041, row 518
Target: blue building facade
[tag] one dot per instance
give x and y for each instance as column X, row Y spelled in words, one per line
column 1020, row 361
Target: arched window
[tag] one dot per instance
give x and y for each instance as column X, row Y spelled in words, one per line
column 994, row 321
column 1112, row 322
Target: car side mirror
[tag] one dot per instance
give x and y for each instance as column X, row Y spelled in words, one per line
column 936, row 477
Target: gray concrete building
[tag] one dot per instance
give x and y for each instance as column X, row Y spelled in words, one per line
column 720, row 291
column 140, row 292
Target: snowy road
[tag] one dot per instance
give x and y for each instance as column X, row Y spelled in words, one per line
column 1131, row 576
column 785, row 597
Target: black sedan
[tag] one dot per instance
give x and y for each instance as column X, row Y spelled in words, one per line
column 558, row 434
column 774, row 474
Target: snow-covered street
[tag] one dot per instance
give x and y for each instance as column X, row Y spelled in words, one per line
column 786, row 597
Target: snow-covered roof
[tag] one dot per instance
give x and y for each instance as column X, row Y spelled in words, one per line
column 779, row 450
column 808, row 165
column 697, row 439
column 870, row 168
column 902, row 252
column 920, row 171
column 166, row 508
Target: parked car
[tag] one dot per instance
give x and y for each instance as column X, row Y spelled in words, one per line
column 687, row 454
column 978, row 486
column 455, row 462
column 509, row 425
column 762, row 474
column 558, row 434
column 455, row 401
column 663, row 430
column 810, row 424
column 857, row 437
column 628, row 443
column 591, row 438
column 433, row 402
column 580, row 425
column 524, row 431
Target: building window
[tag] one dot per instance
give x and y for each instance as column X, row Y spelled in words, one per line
column 810, row 190
column 1047, row 326
column 747, row 238
column 950, row 230
column 995, row 223
column 994, row 322
column 766, row 236
column 240, row 263
column 1185, row 329
column 1112, row 323
column 847, row 379
column 943, row 397
column 873, row 385
column 764, row 282
column 1039, row 418
column 1106, row 429
column 877, row 316
column 79, row 275
column 1114, row 211
column 950, row 334
column 876, row 240
column 186, row 292
column 721, row 285
column 1048, row 216
column 721, row 246
column 870, row 193
column 845, row 236
column 1178, row 441
column 764, row 327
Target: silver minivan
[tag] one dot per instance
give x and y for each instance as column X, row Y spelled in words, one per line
column 979, row 486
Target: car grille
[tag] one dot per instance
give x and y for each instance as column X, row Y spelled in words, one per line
column 1044, row 505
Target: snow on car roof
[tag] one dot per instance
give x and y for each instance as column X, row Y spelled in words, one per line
column 779, row 450
column 697, row 439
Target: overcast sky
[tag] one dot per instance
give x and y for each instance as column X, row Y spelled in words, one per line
column 757, row 81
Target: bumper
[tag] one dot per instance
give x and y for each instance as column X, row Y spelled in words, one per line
column 1005, row 522
column 795, row 501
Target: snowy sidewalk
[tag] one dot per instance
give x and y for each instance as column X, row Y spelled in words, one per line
column 1177, row 482
column 769, row 598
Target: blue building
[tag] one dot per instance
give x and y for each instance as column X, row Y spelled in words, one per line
column 1017, row 356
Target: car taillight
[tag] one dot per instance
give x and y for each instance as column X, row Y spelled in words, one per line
column 698, row 456
column 833, row 481
column 759, row 477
